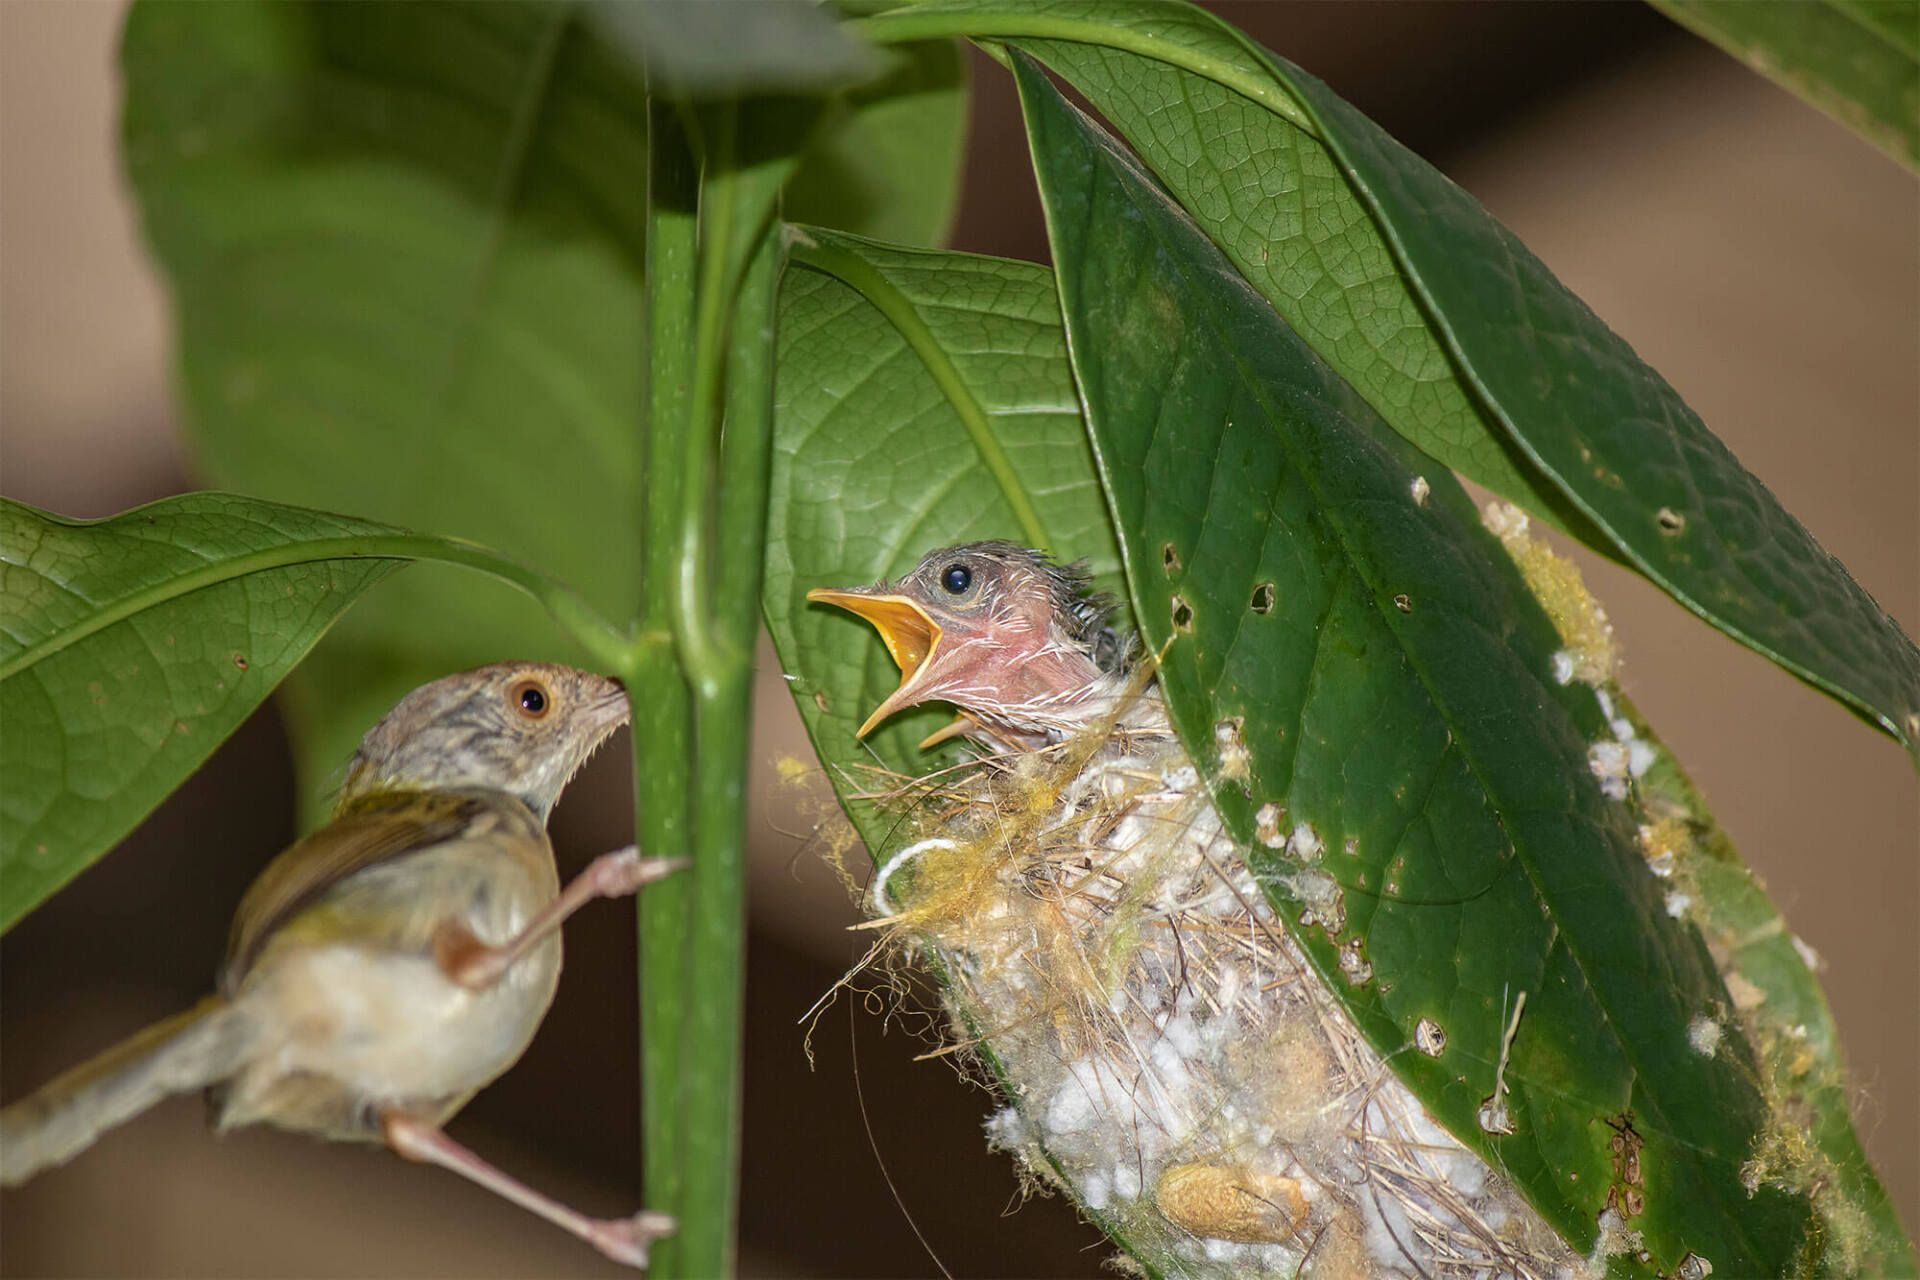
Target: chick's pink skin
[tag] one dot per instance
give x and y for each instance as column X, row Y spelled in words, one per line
column 1019, row 647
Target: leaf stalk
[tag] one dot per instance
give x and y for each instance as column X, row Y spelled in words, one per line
column 1013, row 23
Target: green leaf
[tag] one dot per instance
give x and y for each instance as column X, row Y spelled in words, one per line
column 922, row 399
column 1856, row 60
column 705, row 50
column 1269, row 194
column 133, row 646
column 1398, row 693
column 405, row 244
column 1200, row 104
column 1778, row 1002
column 1457, row 335
column 1619, row 440
column 889, row 165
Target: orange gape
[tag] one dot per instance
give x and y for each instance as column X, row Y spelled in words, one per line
column 1013, row 640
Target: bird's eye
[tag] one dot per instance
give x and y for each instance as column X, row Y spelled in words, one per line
column 956, row 578
column 530, row 699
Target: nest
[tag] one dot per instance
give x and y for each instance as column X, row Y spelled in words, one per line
column 1166, row 1055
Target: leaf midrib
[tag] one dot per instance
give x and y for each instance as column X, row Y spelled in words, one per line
column 407, row 547
column 900, row 311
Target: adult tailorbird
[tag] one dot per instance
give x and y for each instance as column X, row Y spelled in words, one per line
column 1014, row 640
column 385, row 968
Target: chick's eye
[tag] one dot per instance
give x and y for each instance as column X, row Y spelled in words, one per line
column 956, row 578
column 531, row 699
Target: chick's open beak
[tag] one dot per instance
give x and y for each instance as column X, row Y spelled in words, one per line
column 909, row 633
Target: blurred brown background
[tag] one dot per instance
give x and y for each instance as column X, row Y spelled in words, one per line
column 1754, row 252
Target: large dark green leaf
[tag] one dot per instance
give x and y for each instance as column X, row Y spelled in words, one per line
column 1857, row 60
column 1397, row 693
column 1457, row 335
column 1199, row 102
column 1619, row 440
column 922, row 399
column 131, row 647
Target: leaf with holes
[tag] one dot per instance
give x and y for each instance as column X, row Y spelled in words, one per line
column 133, row 646
column 1399, row 694
column 1777, row 1001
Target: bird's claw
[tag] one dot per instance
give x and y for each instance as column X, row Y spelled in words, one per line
column 624, row 871
column 626, row 1239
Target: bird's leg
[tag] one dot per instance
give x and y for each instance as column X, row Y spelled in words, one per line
column 477, row 965
column 622, row 1239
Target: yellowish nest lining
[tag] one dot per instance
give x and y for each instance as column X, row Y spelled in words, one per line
column 1162, row 1043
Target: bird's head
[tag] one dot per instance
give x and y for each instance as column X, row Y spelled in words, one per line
column 524, row 728
column 1003, row 633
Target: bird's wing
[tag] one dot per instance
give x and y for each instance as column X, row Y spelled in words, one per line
column 376, row 830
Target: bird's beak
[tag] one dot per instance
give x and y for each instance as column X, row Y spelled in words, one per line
column 611, row 708
column 909, row 633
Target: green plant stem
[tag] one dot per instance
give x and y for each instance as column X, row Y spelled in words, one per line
column 1014, row 22
column 662, row 708
column 712, row 1043
column 711, row 288
column 702, row 652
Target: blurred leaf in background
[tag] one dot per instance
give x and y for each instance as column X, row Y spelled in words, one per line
column 698, row 50
column 405, row 244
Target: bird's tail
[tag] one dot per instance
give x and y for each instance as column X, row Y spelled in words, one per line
column 187, row 1051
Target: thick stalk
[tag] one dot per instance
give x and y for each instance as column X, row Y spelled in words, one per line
column 662, row 704
column 709, row 1090
column 708, row 462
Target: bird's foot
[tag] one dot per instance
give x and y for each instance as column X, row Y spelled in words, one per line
column 624, row 871
column 626, row 1239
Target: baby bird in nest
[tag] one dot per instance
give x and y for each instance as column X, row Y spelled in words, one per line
column 1166, row 1050
column 1019, row 644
